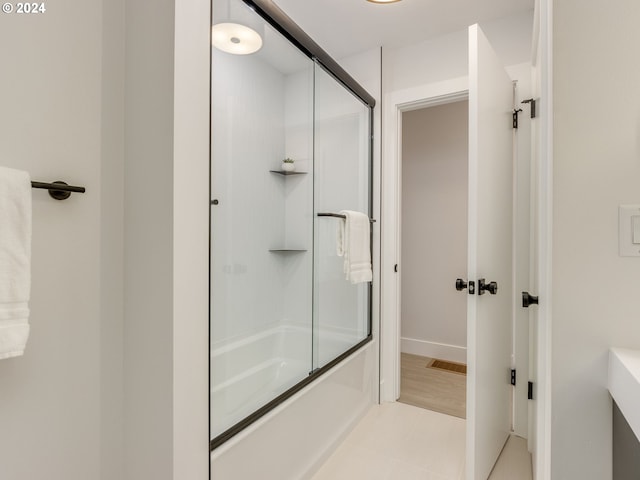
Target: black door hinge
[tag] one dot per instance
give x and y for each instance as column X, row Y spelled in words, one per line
column 532, row 101
column 530, row 391
column 515, row 117
column 513, row 377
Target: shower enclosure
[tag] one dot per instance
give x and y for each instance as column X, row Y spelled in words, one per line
column 282, row 312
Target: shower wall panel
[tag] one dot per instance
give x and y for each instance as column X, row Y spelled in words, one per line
column 298, row 198
column 248, row 120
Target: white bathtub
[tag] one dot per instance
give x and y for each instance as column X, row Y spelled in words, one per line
column 249, row 372
column 294, row 439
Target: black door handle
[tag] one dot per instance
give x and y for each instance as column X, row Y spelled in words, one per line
column 528, row 300
column 491, row 287
column 461, row 285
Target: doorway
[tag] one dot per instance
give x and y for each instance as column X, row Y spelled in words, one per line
column 495, row 221
column 433, row 198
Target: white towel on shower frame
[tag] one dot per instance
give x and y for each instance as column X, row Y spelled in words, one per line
column 354, row 244
column 15, row 261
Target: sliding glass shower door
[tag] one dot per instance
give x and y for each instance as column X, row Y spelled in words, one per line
column 289, row 142
column 261, row 225
column 342, row 181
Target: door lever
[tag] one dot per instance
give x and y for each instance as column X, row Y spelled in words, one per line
column 461, row 285
column 491, row 287
column 528, row 299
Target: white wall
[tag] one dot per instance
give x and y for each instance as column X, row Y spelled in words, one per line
column 596, row 168
column 434, row 230
column 166, row 241
column 51, row 408
column 63, row 402
column 148, row 258
column 112, row 241
column 446, row 57
column 190, row 239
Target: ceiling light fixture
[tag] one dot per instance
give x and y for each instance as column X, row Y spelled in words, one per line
column 235, row 38
column 383, row 1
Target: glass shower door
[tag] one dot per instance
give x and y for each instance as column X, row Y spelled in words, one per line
column 261, row 221
column 281, row 307
column 342, row 143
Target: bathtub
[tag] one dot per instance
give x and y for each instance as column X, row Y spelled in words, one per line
column 249, row 372
column 291, row 441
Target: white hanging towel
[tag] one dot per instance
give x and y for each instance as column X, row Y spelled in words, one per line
column 354, row 244
column 15, row 261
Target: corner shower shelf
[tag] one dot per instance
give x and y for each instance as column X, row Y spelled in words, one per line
column 282, row 172
column 287, row 250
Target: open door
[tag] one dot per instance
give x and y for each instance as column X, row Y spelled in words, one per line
column 489, row 307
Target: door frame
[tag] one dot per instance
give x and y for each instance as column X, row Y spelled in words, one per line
column 395, row 104
column 542, row 59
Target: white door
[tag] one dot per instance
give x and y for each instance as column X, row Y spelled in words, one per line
column 490, row 256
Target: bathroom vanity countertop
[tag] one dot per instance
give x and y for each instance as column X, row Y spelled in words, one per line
column 624, row 384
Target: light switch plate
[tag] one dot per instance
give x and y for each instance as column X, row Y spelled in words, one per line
column 629, row 222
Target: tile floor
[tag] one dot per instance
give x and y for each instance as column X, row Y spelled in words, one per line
column 514, row 462
column 395, row 441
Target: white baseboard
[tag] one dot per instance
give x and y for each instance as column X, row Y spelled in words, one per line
column 442, row 351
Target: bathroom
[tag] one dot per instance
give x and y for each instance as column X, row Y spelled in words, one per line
column 114, row 96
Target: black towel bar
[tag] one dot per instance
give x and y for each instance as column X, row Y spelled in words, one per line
column 58, row 189
column 338, row 215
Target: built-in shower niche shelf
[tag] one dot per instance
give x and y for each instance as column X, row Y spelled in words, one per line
column 287, row 250
column 282, row 172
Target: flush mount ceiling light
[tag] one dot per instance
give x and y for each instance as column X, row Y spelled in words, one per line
column 235, row 38
column 383, row 1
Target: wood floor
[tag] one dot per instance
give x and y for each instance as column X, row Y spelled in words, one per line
column 434, row 389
